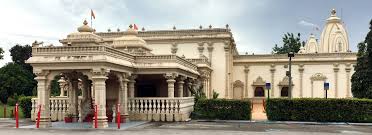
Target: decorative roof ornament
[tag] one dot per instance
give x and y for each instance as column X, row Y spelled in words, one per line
column 200, row 27
column 227, row 26
column 131, row 26
column 109, row 30
column 174, row 27
column 143, row 28
column 333, row 12
column 85, row 27
column 118, row 30
column 210, row 26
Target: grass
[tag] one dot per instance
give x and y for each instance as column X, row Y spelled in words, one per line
column 8, row 111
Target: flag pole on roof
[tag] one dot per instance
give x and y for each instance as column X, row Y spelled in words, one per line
column 92, row 16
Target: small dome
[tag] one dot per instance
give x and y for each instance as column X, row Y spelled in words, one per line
column 333, row 17
column 130, row 39
column 85, row 27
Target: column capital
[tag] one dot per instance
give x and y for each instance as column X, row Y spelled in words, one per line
column 100, row 72
column 181, row 78
column 170, row 76
column 41, row 74
column 132, row 77
column 336, row 69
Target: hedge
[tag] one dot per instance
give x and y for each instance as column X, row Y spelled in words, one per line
column 222, row 109
column 25, row 105
column 320, row 110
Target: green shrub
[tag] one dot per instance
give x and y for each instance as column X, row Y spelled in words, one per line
column 11, row 101
column 319, row 109
column 25, row 105
column 222, row 109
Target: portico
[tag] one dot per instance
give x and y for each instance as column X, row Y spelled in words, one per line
column 147, row 87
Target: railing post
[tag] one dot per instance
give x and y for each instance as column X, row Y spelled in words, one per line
column 16, row 115
column 95, row 116
column 38, row 117
column 118, row 115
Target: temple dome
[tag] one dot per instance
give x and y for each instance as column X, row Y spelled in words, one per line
column 85, row 27
column 84, row 36
column 130, row 40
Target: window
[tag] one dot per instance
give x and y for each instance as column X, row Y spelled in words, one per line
column 284, row 92
column 259, row 92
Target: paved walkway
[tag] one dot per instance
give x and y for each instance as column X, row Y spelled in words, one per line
column 258, row 112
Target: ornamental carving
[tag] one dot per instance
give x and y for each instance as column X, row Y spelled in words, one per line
column 285, row 82
column 174, row 48
column 318, row 77
column 259, row 82
column 238, row 84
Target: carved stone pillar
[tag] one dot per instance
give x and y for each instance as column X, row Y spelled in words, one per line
column 272, row 70
column 170, row 80
column 180, row 82
column 336, row 69
column 301, row 70
column 43, row 98
column 131, row 83
column 210, row 50
column 227, row 74
column 74, row 97
column 99, row 80
column 348, row 87
column 123, row 96
column 189, row 85
column 201, row 49
column 246, row 71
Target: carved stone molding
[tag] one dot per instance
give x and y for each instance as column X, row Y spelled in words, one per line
column 226, row 47
column 272, row 68
column 210, row 46
column 301, row 67
column 238, row 84
column 285, row 82
column 246, row 68
column 318, row 77
column 174, row 48
column 259, row 82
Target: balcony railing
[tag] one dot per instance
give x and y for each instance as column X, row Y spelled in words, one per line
column 160, row 109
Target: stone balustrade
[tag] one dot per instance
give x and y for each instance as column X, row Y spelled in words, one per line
column 58, row 108
column 166, row 58
column 160, row 109
column 82, row 50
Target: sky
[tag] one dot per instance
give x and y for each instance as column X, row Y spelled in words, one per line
column 257, row 25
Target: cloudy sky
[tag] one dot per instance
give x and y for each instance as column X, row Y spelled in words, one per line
column 257, row 25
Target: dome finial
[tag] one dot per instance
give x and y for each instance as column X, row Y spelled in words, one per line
column 85, row 22
column 333, row 12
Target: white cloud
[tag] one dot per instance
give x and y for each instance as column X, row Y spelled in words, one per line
column 308, row 24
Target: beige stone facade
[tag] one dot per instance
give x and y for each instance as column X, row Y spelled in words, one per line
column 150, row 73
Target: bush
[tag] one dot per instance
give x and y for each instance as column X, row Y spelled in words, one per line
column 222, row 109
column 320, row 110
column 25, row 105
column 11, row 101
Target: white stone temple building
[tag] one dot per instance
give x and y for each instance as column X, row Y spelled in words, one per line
column 150, row 72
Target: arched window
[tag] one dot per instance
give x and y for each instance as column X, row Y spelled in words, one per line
column 284, row 92
column 259, row 92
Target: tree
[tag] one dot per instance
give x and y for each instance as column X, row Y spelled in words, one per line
column 1, row 53
column 14, row 80
column 359, row 80
column 20, row 54
column 290, row 44
column 361, row 86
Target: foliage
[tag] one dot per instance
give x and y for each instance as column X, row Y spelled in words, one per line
column 14, row 80
column 197, row 92
column 1, row 53
column 215, row 95
column 11, row 101
column 25, row 105
column 290, row 44
column 20, row 54
column 222, row 109
column 361, row 86
column 55, row 89
column 319, row 109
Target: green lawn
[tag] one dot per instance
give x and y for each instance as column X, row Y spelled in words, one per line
column 8, row 111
